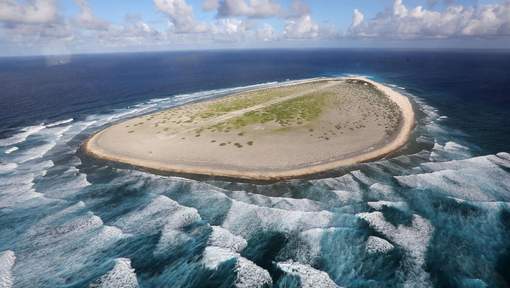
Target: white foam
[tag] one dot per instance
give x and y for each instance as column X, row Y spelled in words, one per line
column 475, row 179
column 80, row 224
column 171, row 235
column 414, row 239
column 244, row 219
column 383, row 191
column 70, row 235
column 170, row 238
column 481, row 163
column 248, row 273
column 308, row 247
column 362, row 177
column 160, row 212
column 10, row 150
column 22, row 135
column 378, row 245
column 17, row 188
column 309, row 276
column 67, row 183
column 7, row 260
column 221, row 237
column 57, row 123
column 276, row 202
column 8, row 167
column 121, row 276
column 213, row 256
column 35, row 152
column 108, row 235
column 76, row 207
column 346, row 188
column 379, row 205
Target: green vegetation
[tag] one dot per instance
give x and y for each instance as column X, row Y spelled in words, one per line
column 295, row 111
column 249, row 99
column 234, row 104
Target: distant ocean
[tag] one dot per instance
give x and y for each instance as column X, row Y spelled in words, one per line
column 435, row 214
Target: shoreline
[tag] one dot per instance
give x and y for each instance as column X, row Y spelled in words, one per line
column 90, row 147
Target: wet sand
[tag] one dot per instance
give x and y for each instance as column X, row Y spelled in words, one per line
column 277, row 133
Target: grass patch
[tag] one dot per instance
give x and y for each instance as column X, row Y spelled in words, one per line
column 295, row 111
column 249, row 99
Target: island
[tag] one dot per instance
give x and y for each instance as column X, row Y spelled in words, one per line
column 290, row 130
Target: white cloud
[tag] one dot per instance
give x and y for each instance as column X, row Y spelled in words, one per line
column 229, row 30
column 357, row 18
column 248, row 8
column 87, row 19
column 36, row 11
column 133, row 32
column 399, row 9
column 229, row 26
column 454, row 21
column 298, row 8
column 301, row 28
column 266, row 33
column 210, row 5
column 181, row 16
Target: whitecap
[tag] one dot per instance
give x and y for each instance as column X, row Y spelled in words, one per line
column 34, row 153
column 414, row 239
column 22, row 135
column 7, row 260
column 121, row 276
column 221, row 237
column 7, row 167
column 171, row 234
column 275, row 202
column 66, row 183
column 10, row 150
column 379, row 205
column 17, row 188
column 160, row 212
column 244, row 219
column 309, row 277
column 378, row 245
column 248, row 273
column 475, row 179
column 214, row 256
column 57, row 123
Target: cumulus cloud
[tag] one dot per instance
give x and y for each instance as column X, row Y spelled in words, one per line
column 357, row 18
column 247, row 8
column 133, row 32
column 297, row 9
column 180, row 15
column 301, row 28
column 87, row 19
column 210, row 5
column 266, row 33
column 35, row 11
column 229, row 30
column 455, row 20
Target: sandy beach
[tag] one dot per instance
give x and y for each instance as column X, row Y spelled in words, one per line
column 284, row 132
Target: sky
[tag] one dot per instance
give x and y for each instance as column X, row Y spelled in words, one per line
column 35, row 27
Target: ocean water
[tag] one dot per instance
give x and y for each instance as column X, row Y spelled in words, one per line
column 435, row 214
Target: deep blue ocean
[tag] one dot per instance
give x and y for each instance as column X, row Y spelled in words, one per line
column 435, row 214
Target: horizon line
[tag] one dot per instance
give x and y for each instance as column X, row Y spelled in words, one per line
column 415, row 49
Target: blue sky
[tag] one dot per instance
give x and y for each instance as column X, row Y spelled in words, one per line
column 92, row 26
